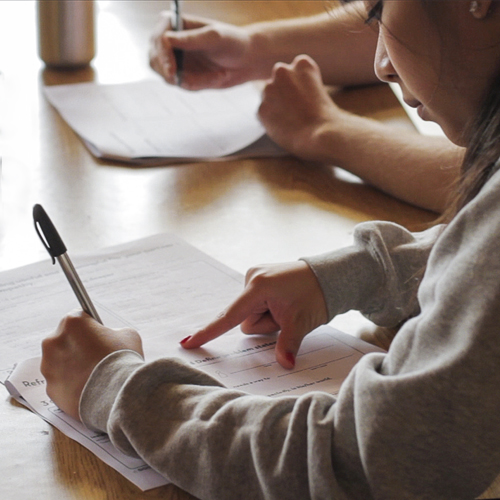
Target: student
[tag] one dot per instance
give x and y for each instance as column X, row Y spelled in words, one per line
column 297, row 110
column 423, row 420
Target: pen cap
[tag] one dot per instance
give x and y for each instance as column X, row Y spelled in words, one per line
column 48, row 233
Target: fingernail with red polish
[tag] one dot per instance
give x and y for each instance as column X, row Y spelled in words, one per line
column 183, row 341
column 290, row 358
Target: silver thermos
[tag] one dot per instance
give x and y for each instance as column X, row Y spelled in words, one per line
column 66, row 32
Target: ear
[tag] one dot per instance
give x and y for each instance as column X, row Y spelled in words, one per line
column 480, row 8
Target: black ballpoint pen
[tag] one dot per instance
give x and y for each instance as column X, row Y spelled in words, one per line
column 57, row 250
column 178, row 53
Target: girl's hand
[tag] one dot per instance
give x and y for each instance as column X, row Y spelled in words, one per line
column 285, row 298
column 73, row 351
column 296, row 109
column 216, row 55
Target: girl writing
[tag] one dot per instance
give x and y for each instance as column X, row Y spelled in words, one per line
column 423, row 420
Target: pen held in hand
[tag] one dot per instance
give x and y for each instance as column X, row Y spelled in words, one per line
column 177, row 25
column 57, row 250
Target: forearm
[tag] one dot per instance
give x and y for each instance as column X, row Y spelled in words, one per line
column 337, row 40
column 218, row 443
column 418, row 169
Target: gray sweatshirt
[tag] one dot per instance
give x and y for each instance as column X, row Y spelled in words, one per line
column 420, row 422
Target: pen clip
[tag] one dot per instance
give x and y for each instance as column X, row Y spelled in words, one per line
column 48, row 233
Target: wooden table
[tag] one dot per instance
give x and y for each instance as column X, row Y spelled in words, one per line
column 241, row 212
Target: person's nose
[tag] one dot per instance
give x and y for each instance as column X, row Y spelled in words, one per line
column 383, row 66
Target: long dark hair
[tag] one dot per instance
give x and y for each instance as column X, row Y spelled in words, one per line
column 483, row 149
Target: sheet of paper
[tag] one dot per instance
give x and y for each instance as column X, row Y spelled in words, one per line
column 247, row 363
column 161, row 286
column 27, row 386
column 166, row 289
column 149, row 120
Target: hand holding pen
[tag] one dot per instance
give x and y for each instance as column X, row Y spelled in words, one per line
column 57, row 250
column 79, row 343
column 70, row 354
column 214, row 54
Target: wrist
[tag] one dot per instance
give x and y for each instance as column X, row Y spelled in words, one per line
column 260, row 53
column 343, row 140
column 103, row 386
column 331, row 140
column 343, row 276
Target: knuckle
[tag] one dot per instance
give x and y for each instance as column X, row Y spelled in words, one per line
column 70, row 321
column 251, row 271
column 213, row 35
column 254, row 273
column 281, row 73
column 302, row 62
column 259, row 279
column 281, row 68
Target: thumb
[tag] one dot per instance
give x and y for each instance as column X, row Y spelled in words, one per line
column 288, row 344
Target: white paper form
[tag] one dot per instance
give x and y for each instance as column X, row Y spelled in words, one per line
column 150, row 122
column 325, row 359
column 166, row 289
column 27, row 386
column 161, row 286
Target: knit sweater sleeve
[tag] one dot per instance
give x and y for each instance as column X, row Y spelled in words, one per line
column 379, row 275
column 221, row 444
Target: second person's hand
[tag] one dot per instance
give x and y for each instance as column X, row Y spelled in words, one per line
column 216, row 55
column 297, row 111
column 283, row 298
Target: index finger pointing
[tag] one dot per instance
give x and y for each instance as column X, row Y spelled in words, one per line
column 235, row 314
